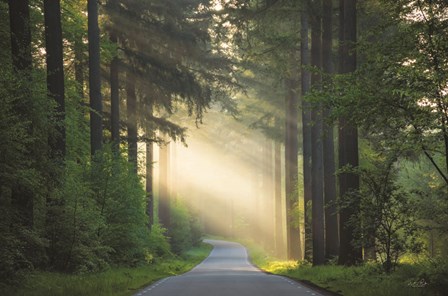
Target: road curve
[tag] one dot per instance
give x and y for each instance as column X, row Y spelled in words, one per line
column 226, row 272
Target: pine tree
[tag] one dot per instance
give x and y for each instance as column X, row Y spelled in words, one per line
column 96, row 105
column 331, row 218
column 55, row 70
column 348, row 145
column 317, row 180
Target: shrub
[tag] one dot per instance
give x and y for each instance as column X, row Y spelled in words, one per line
column 186, row 229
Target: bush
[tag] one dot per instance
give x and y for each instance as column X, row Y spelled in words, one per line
column 158, row 244
column 186, row 229
column 73, row 224
column 121, row 201
column 433, row 277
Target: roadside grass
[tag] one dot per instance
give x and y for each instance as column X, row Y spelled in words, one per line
column 365, row 280
column 113, row 282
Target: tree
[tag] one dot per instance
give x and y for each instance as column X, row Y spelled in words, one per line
column 317, row 177
column 399, row 98
column 96, row 105
column 388, row 214
column 55, row 70
column 331, row 219
column 291, row 171
column 149, row 184
column 164, row 198
column 131, row 119
column 268, row 196
column 306, row 127
column 279, row 247
column 348, row 144
column 114, row 95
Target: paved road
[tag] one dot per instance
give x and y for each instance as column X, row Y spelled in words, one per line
column 226, row 272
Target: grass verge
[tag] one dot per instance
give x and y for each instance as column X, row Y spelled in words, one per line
column 365, row 280
column 113, row 282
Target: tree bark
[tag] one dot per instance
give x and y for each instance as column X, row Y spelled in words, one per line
column 164, row 198
column 279, row 246
column 115, row 98
column 149, row 166
column 331, row 218
column 149, row 185
column 348, row 146
column 96, row 127
column 268, row 214
column 318, row 222
column 291, row 165
column 131, row 110
column 55, row 72
column 306, row 130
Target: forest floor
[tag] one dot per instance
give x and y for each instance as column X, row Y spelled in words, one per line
column 367, row 280
column 113, row 282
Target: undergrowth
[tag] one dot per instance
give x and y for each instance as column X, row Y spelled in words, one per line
column 113, row 282
column 423, row 277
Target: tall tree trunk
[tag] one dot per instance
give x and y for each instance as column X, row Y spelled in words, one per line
column 55, row 71
column 131, row 110
column 348, row 146
column 306, row 130
column 96, row 127
column 164, row 198
column 318, row 223
column 268, row 215
column 341, row 37
column 291, row 171
column 279, row 246
column 149, row 180
column 19, row 21
column 256, row 227
column 331, row 219
column 173, row 171
column 115, row 98
column 150, row 135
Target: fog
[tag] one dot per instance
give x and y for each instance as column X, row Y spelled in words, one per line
column 225, row 176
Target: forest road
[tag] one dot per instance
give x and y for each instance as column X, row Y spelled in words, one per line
column 226, row 272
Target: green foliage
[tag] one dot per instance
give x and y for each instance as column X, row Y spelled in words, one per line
column 185, row 231
column 73, row 224
column 113, row 282
column 158, row 243
column 25, row 120
column 428, row 192
column 98, row 217
column 433, row 276
column 75, row 214
column 409, row 279
column 397, row 98
column 386, row 213
column 398, row 93
column 121, row 202
column 77, row 125
column 166, row 46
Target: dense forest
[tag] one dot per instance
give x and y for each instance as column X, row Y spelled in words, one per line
column 317, row 129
